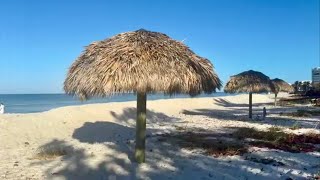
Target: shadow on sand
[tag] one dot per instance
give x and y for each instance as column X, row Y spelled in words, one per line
column 128, row 115
column 225, row 103
column 165, row 159
column 103, row 150
column 241, row 114
column 103, row 132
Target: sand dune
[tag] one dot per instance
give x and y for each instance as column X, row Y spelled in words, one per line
column 96, row 141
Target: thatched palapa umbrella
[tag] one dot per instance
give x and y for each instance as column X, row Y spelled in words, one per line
column 249, row 82
column 280, row 86
column 141, row 62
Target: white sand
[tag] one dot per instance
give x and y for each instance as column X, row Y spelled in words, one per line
column 99, row 141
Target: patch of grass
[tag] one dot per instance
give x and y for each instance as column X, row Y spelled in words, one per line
column 179, row 128
column 286, row 103
column 301, row 113
column 292, row 102
column 274, row 133
column 275, row 129
column 295, row 126
column 240, row 140
column 226, row 150
column 213, row 147
column 277, row 139
column 313, row 112
column 50, row 152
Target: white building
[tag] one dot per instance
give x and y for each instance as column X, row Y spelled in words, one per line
column 316, row 75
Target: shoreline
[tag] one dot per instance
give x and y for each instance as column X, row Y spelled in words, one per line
column 148, row 100
column 96, row 100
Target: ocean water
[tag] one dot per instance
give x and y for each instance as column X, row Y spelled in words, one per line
column 31, row 103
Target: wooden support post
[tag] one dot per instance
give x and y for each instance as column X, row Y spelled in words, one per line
column 141, row 127
column 250, row 105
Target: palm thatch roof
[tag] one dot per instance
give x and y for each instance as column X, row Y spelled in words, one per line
column 249, row 81
column 140, row 61
column 281, row 86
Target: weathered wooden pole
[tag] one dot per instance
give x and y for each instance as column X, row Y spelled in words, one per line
column 141, row 127
column 250, row 105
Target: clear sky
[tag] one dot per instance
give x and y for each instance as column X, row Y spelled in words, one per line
column 40, row 39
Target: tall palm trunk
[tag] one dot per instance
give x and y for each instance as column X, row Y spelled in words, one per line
column 141, row 127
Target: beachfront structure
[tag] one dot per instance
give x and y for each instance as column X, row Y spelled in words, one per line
column 249, row 82
column 280, row 86
column 141, row 62
column 316, row 76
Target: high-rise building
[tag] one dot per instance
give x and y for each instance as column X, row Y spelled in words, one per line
column 316, row 75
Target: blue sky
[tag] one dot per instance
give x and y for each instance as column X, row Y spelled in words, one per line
column 40, row 39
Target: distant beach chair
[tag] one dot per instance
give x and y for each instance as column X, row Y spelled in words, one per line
column 264, row 113
column 263, row 116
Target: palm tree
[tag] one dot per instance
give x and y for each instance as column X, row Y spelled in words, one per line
column 296, row 86
column 300, row 86
column 306, row 86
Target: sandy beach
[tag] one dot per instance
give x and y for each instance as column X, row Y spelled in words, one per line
column 97, row 141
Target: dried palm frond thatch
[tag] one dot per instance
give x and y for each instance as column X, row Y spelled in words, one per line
column 280, row 86
column 249, row 82
column 141, row 62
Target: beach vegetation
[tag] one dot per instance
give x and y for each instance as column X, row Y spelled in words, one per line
column 302, row 113
column 50, row 151
column 239, row 142
column 295, row 126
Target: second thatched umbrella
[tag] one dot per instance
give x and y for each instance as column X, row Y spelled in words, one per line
column 141, row 62
column 249, row 82
column 280, row 86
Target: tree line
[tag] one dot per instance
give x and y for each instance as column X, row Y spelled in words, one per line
column 305, row 87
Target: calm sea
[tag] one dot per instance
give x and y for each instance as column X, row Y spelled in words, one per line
column 30, row 103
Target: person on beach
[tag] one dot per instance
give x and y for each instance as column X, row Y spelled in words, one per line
column 1, row 108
